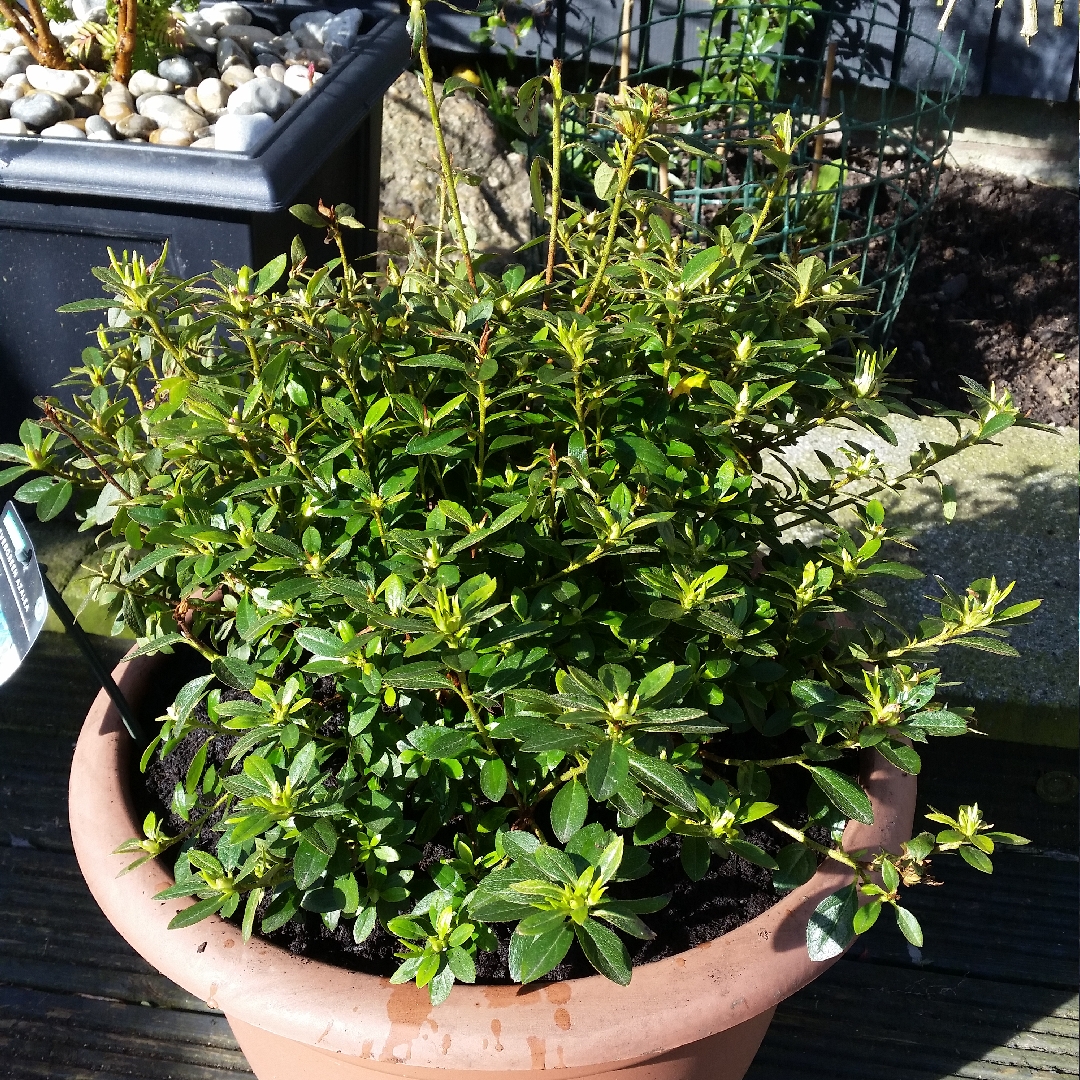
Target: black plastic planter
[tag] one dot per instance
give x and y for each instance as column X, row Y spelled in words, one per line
column 64, row 204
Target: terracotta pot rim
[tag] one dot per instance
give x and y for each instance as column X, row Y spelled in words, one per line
column 580, row 1022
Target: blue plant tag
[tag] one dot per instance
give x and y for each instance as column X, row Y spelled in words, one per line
column 23, row 605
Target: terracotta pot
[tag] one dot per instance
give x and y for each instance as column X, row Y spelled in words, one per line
column 700, row 1014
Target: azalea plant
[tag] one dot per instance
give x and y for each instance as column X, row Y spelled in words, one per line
column 493, row 575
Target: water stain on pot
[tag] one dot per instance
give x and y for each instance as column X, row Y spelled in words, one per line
column 496, row 1030
column 407, row 1008
column 562, row 1019
column 538, row 1050
column 502, row 997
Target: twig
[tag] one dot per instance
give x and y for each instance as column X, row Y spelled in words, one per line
column 823, row 112
column 449, row 178
column 54, row 418
column 556, row 166
column 126, row 17
column 624, row 47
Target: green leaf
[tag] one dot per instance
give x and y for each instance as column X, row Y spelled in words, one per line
column 422, row 676
column 440, row 986
column 493, row 780
column 308, row 215
column 843, row 793
column 979, row 860
column 655, row 681
column 831, row 927
column 151, row 562
column 364, row 924
column 866, row 916
column 233, row 672
column 607, row 769
column 894, row 569
column 662, row 778
column 900, row 755
column 948, row 502
column 541, row 922
column 605, row 181
column 555, row 865
column 404, row 927
column 270, row 274
column 433, row 444
column 605, row 951
column 309, row 864
column 610, row 859
column 986, row 644
column 430, row 963
column 700, row 266
column 197, row 912
column 909, row 926
column 323, row 900
column 461, row 964
column 695, row 856
column 53, row 501
column 752, row 854
column 569, row 809
column 251, row 906
column 536, row 187
column 320, row 642
column 939, row 722
column 532, row 957
column 626, row 921
column 795, row 865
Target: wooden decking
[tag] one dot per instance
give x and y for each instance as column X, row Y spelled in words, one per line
column 992, row 996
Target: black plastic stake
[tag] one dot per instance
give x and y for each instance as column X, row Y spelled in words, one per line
column 65, row 615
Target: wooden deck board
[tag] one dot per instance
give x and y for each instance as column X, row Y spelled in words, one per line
column 991, row 996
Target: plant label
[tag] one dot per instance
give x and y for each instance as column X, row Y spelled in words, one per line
column 23, row 605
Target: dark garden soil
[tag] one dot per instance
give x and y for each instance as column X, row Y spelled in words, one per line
column 994, row 296
column 732, row 893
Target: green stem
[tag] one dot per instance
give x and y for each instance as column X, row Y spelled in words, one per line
column 445, row 163
column 462, row 687
column 556, row 166
column 613, row 229
column 481, row 447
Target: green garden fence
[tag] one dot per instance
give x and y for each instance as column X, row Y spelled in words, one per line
column 866, row 185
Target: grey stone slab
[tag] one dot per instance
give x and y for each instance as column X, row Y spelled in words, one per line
column 1016, row 520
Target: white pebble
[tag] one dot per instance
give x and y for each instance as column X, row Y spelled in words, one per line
column 12, row 127
column 247, row 36
column 297, row 79
column 62, row 131
column 239, row 132
column 226, row 14
column 144, row 82
column 67, row 84
column 235, row 76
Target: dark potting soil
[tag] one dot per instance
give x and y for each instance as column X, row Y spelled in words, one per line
column 993, row 296
column 732, row 892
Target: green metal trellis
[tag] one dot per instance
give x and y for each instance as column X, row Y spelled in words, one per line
column 865, row 187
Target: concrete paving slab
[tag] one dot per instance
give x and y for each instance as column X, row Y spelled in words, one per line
column 1016, row 519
